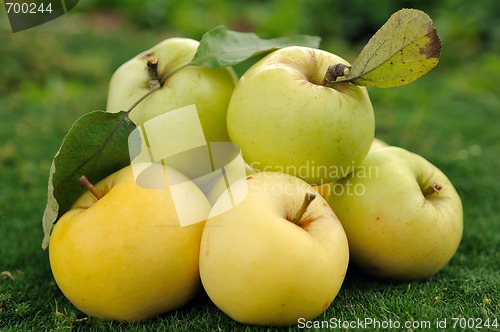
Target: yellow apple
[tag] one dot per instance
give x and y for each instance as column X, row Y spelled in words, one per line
column 272, row 259
column 209, row 89
column 124, row 256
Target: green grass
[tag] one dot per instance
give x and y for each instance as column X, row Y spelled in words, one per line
column 447, row 117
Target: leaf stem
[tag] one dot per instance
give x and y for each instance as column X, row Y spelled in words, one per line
column 85, row 183
column 309, row 197
column 157, row 87
column 167, row 75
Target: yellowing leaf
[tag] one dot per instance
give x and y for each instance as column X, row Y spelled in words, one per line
column 406, row 47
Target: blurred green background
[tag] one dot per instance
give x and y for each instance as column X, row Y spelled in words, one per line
column 51, row 74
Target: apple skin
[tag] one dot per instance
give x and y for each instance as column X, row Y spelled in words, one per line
column 209, row 89
column 378, row 143
column 220, row 185
column 284, row 120
column 260, row 268
column 125, row 257
column 394, row 230
column 324, row 188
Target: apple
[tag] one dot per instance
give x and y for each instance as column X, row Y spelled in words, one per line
column 378, row 143
column 279, row 255
column 209, row 89
column 284, row 119
column 323, row 189
column 124, row 256
column 401, row 214
column 219, row 184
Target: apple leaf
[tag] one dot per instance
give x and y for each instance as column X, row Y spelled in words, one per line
column 403, row 49
column 95, row 146
column 220, row 47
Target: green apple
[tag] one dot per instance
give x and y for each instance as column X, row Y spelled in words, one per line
column 209, row 89
column 324, row 189
column 124, row 256
column 284, row 119
column 401, row 214
column 273, row 259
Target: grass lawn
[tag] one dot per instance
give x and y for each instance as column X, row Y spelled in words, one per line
column 48, row 79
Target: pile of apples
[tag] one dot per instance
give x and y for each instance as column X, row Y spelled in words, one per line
column 318, row 195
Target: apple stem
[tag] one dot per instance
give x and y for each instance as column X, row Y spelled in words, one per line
column 85, row 183
column 152, row 68
column 155, row 81
column 335, row 71
column 434, row 188
column 309, row 197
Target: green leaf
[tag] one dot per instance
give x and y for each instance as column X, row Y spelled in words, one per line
column 220, row 47
column 406, row 47
column 95, row 146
